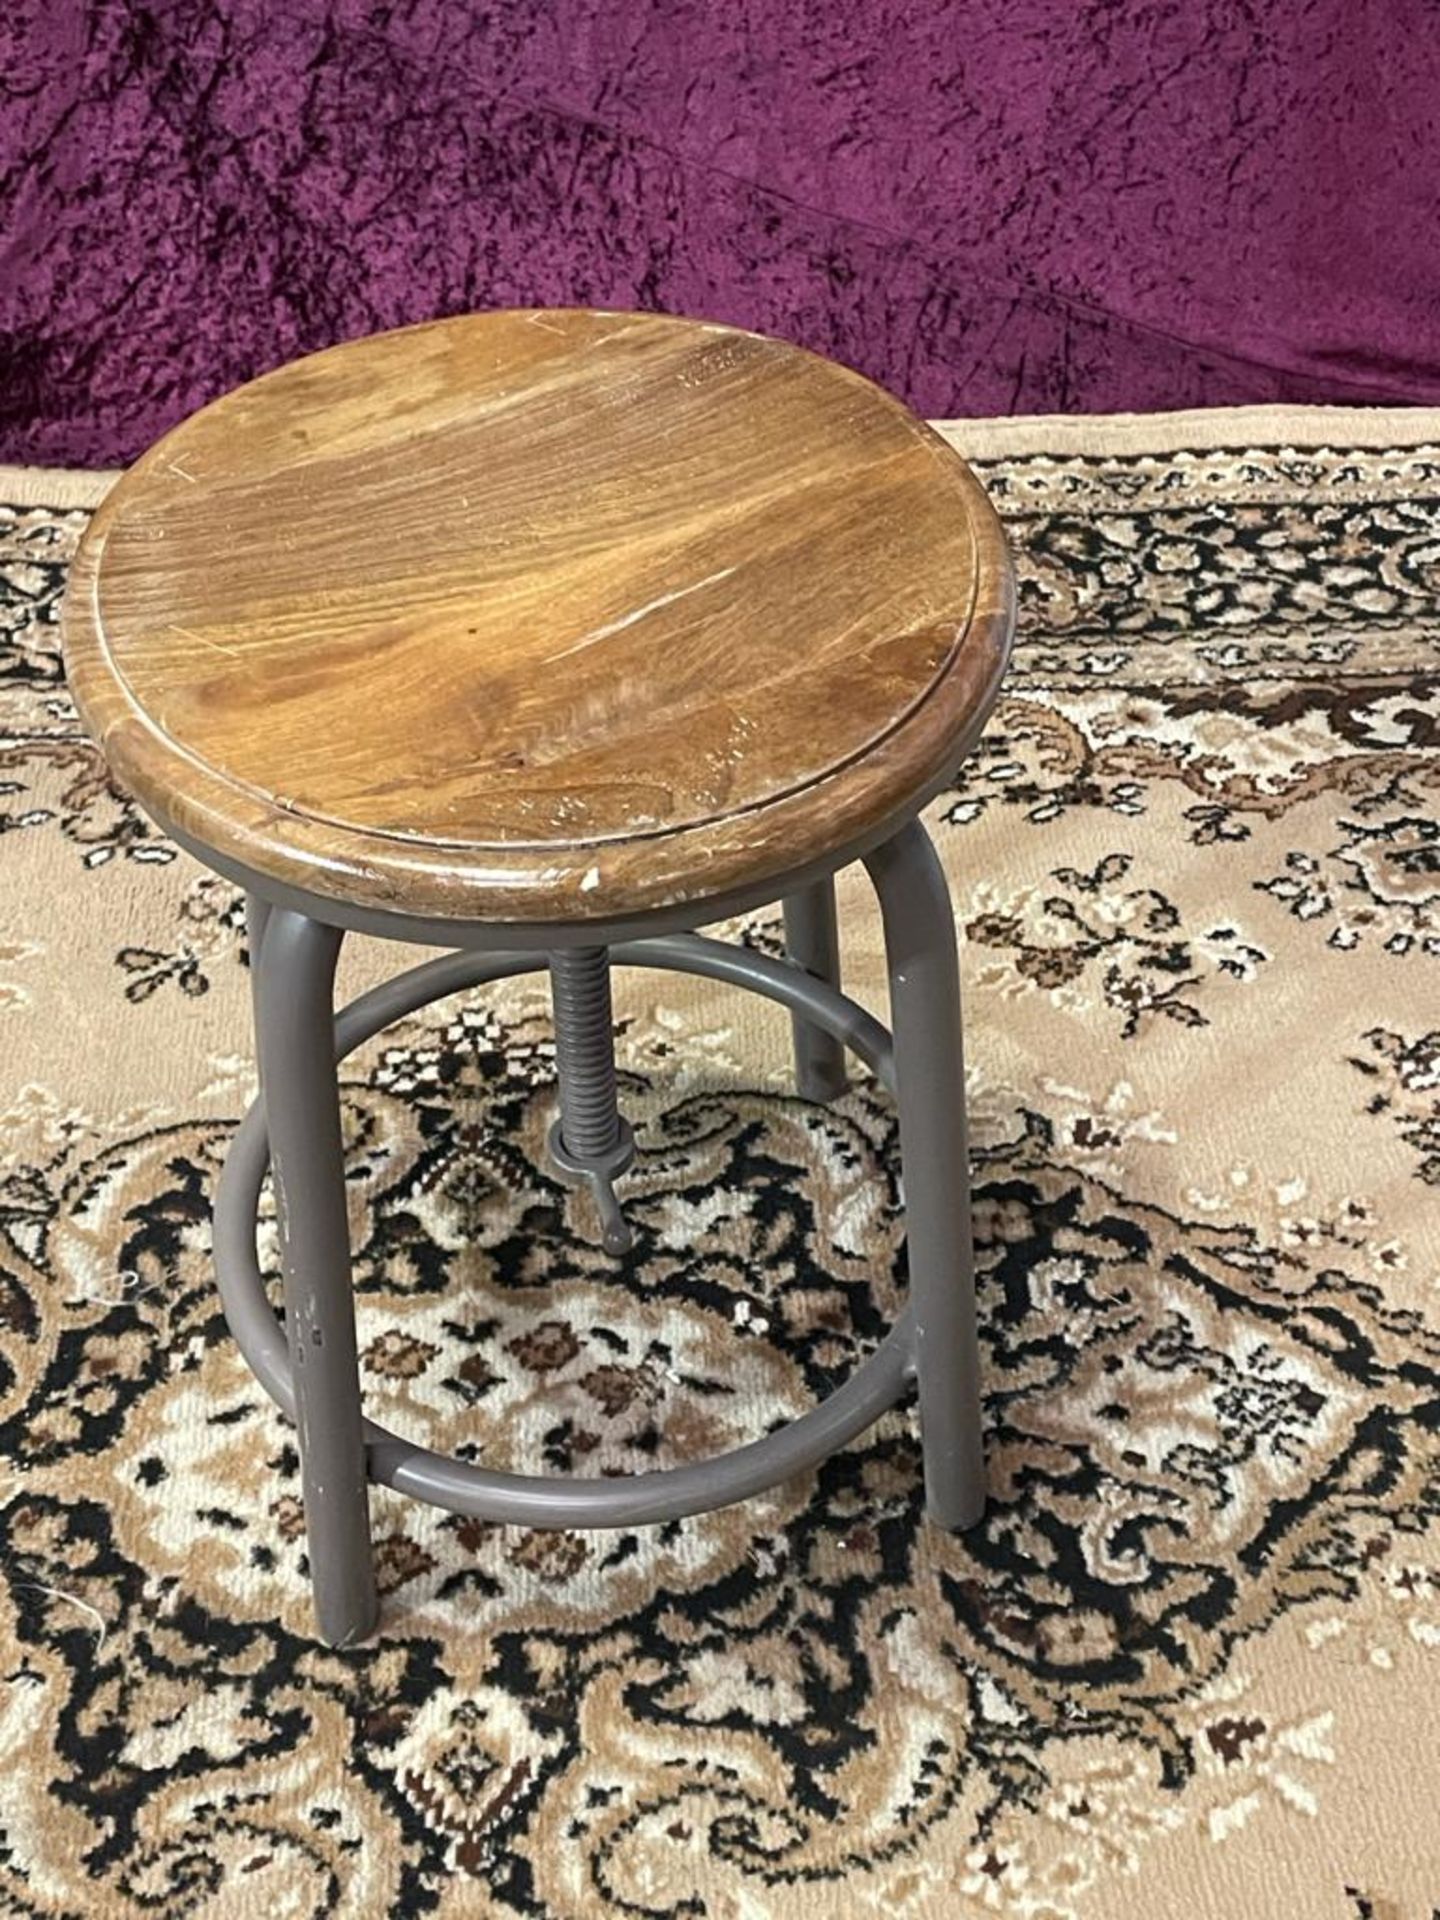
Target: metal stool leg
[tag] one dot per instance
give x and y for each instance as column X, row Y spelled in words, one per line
column 296, row 1033
column 257, row 915
column 930, row 1085
column 812, row 941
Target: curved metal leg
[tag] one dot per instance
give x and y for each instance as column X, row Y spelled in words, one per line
column 296, row 1035
column 812, row 941
column 930, row 1089
column 257, row 915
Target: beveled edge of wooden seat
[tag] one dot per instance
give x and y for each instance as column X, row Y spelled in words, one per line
column 823, row 823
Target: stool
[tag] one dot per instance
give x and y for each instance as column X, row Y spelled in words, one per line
column 548, row 637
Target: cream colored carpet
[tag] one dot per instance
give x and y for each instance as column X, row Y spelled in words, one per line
column 1187, row 1666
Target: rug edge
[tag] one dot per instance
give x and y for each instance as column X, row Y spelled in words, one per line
column 55, row 486
column 1010, row 437
column 1193, row 428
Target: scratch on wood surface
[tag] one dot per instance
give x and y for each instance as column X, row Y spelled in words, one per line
column 628, row 620
column 204, row 640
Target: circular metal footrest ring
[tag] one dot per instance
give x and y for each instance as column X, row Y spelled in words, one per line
column 546, row 1500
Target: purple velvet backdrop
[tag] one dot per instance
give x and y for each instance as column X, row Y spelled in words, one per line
column 1003, row 205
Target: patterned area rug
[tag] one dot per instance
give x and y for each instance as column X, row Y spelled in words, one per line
column 1188, row 1664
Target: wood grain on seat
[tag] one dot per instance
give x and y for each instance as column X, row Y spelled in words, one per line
column 535, row 616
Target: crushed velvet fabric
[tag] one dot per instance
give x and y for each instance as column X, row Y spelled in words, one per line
column 1006, row 206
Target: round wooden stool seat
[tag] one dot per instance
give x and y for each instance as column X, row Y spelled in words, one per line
column 540, row 617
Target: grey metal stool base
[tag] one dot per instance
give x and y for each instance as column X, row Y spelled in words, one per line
column 309, row 1367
